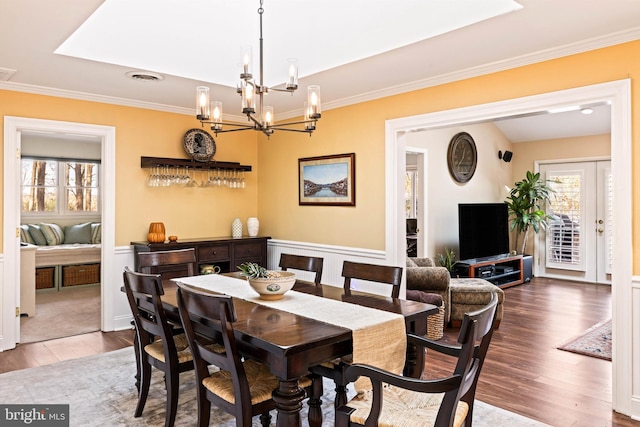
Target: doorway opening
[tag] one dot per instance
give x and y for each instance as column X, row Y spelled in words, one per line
column 578, row 243
column 15, row 128
column 60, row 199
column 618, row 95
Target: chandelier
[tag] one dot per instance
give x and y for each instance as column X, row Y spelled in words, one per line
column 262, row 120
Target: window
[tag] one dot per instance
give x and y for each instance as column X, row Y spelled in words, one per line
column 411, row 193
column 564, row 243
column 59, row 186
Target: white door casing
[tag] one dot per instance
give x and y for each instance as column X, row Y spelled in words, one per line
column 626, row 398
column 9, row 289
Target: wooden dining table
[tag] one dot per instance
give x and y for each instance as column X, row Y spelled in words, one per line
column 290, row 344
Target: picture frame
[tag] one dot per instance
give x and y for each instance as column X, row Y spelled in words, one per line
column 327, row 180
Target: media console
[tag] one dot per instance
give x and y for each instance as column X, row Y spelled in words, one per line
column 501, row 270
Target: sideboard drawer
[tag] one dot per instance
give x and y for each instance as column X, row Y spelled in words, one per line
column 213, row 252
column 247, row 250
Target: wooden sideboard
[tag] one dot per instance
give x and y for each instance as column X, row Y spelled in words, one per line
column 225, row 252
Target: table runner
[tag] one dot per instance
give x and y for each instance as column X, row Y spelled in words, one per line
column 379, row 337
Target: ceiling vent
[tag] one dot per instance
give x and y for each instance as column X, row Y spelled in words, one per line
column 145, row 76
column 6, row 74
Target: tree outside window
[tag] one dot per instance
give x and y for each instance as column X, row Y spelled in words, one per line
column 42, row 190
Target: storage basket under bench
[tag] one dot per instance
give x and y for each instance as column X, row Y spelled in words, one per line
column 65, row 276
column 67, row 266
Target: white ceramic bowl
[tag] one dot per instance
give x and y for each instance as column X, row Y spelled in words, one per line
column 273, row 288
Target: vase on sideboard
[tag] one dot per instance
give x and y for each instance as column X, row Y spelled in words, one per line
column 156, row 232
column 253, row 226
column 236, row 228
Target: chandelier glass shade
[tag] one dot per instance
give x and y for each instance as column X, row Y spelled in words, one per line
column 260, row 118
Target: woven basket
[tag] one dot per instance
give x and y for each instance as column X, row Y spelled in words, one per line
column 73, row 275
column 435, row 324
column 45, row 278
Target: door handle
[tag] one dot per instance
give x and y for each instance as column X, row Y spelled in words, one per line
column 600, row 230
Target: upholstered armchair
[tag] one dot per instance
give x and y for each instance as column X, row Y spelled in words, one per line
column 423, row 275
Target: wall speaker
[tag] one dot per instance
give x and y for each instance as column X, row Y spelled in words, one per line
column 506, row 156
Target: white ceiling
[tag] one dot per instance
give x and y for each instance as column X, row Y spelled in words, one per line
column 32, row 30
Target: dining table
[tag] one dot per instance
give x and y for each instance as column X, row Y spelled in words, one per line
column 291, row 343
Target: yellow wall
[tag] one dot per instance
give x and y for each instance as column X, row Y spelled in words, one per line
column 526, row 153
column 358, row 128
column 186, row 212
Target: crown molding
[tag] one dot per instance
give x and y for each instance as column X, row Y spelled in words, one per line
column 519, row 61
column 83, row 96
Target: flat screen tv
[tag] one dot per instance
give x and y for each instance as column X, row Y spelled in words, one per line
column 483, row 230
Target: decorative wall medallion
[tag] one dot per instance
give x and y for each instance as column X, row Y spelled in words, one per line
column 462, row 157
column 199, row 145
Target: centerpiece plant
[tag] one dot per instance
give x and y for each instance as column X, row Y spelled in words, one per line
column 269, row 284
column 525, row 202
column 251, row 270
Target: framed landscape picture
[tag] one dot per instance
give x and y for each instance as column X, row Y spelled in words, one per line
column 327, row 180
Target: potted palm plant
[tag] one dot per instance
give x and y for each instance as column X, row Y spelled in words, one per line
column 525, row 202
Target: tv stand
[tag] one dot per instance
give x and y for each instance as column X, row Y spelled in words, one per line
column 501, row 270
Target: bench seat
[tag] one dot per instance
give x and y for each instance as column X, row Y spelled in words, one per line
column 69, row 254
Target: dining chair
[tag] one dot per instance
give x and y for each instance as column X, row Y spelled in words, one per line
column 303, row 263
column 372, row 273
column 169, row 264
column 170, row 353
column 242, row 388
column 173, row 263
column 440, row 402
column 368, row 272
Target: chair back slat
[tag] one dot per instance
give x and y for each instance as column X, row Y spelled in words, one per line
column 303, row 263
column 373, row 273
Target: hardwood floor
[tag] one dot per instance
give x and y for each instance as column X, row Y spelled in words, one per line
column 524, row 371
column 47, row 352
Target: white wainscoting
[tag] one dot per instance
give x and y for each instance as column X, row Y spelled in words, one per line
column 630, row 328
column 123, row 257
column 333, row 257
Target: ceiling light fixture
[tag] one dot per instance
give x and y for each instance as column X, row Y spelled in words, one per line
column 587, row 110
column 210, row 112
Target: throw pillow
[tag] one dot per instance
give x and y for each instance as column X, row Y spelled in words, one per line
column 25, row 236
column 79, row 233
column 36, row 235
column 96, row 232
column 53, row 233
column 411, row 263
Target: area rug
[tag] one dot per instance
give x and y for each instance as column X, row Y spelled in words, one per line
column 62, row 313
column 101, row 392
column 594, row 342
